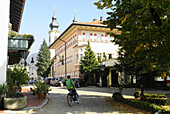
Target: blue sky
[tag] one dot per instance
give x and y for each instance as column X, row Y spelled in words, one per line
column 38, row 14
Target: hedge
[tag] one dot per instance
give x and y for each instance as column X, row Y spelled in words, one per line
column 152, row 98
column 142, row 105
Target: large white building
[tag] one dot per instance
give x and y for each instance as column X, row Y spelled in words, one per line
column 75, row 37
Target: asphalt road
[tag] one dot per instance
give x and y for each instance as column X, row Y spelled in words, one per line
column 91, row 101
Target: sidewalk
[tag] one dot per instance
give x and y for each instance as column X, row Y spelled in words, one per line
column 33, row 102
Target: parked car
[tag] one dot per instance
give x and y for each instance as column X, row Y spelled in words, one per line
column 58, row 83
column 76, row 82
column 64, row 82
column 53, row 81
column 47, row 80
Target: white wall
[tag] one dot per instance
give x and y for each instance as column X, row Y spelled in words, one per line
column 52, row 35
column 4, row 20
column 103, row 47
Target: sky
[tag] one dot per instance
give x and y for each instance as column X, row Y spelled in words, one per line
column 37, row 16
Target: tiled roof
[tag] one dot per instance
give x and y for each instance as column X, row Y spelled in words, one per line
column 97, row 22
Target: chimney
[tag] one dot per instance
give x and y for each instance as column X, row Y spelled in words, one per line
column 101, row 18
column 94, row 19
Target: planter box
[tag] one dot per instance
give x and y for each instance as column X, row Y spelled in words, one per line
column 15, row 103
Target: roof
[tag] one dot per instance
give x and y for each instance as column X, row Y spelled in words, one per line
column 90, row 24
column 16, row 10
column 97, row 22
column 94, row 23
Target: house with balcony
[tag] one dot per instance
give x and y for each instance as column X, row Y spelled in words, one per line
column 13, row 48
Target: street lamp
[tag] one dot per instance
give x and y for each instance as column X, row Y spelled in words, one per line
column 65, row 57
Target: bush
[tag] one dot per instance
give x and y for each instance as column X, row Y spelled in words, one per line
column 156, row 101
column 137, row 94
column 17, row 74
column 152, row 98
column 145, row 106
column 117, row 96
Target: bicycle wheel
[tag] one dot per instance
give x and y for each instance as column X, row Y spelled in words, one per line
column 77, row 98
column 70, row 100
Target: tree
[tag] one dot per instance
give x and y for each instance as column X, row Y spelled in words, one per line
column 104, row 56
column 43, row 60
column 145, row 36
column 89, row 62
column 99, row 59
column 110, row 56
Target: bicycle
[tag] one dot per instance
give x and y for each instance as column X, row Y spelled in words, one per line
column 71, row 98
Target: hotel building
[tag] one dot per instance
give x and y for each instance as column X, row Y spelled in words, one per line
column 75, row 38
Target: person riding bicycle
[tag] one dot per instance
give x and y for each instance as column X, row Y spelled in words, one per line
column 71, row 87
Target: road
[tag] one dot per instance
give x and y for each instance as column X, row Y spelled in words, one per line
column 91, row 101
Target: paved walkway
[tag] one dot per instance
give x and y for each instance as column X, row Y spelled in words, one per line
column 33, row 103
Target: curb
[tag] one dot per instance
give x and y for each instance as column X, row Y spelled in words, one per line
column 38, row 107
column 28, row 109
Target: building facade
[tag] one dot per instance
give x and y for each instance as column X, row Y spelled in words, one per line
column 75, row 38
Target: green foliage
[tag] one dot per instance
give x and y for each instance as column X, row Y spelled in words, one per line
column 41, row 88
column 110, row 56
column 99, row 59
column 17, row 74
column 12, row 34
column 89, row 62
column 137, row 94
column 143, row 105
column 44, row 61
column 104, row 56
column 152, row 98
column 144, row 41
column 3, row 89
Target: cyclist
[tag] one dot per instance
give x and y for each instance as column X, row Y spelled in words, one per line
column 71, row 87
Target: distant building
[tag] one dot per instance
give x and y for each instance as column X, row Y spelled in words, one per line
column 75, row 37
column 33, row 72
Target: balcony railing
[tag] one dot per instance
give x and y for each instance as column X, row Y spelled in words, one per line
column 20, row 43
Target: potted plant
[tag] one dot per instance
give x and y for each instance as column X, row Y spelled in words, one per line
column 3, row 89
column 41, row 89
column 16, row 77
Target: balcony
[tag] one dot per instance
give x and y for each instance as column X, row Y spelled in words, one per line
column 18, row 43
column 18, row 47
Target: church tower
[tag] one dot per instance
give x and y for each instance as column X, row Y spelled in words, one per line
column 53, row 33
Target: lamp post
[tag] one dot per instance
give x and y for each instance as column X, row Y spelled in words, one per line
column 65, row 57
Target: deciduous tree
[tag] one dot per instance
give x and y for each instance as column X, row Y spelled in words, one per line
column 145, row 36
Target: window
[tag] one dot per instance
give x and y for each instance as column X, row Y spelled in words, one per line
column 77, row 56
column 81, row 56
column 74, row 39
column 108, row 38
column 87, row 36
column 98, row 37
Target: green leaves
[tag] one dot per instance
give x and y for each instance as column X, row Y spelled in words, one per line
column 44, row 61
column 145, row 36
column 89, row 62
column 41, row 88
